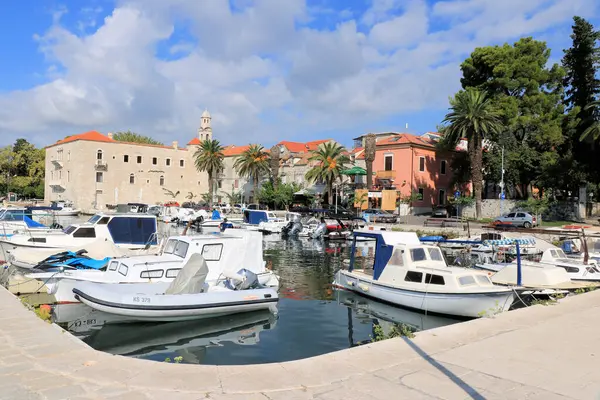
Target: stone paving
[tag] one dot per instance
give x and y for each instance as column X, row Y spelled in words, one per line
column 542, row 352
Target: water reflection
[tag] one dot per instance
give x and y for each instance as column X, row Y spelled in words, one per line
column 313, row 319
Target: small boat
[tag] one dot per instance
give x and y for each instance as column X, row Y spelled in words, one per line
column 127, row 230
column 536, row 276
column 406, row 273
column 64, row 208
column 576, row 268
column 229, row 251
column 188, row 297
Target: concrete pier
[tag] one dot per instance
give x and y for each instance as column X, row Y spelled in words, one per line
column 542, row 352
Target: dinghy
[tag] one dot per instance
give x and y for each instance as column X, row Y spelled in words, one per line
column 188, row 297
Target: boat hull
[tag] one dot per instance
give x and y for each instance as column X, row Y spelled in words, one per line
column 133, row 303
column 62, row 288
column 469, row 305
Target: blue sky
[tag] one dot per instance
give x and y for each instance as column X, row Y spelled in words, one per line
column 267, row 70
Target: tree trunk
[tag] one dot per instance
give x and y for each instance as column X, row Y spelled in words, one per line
column 330, row 193
column 475, row 151
column 369, row 165
column 370, row 149
column 211, row 189
column 255, row 184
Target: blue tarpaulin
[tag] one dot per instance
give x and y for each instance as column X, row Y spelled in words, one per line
column 215, row 215
column 255, row 217
column 32, row 224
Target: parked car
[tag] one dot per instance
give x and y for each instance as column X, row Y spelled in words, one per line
column 440, row 212
column 341, row 213
column 518, row 218
column 377, row 215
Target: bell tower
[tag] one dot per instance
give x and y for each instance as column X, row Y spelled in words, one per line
column 205, row 130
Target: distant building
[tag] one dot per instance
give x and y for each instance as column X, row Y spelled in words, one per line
column 295, row 163
column 93, row 170
column 229, row 181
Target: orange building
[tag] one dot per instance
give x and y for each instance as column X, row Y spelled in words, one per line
column 413, row 164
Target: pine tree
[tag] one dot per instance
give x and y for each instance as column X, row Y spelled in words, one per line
column 582, row 63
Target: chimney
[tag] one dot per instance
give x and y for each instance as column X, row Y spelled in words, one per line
column 175, row 144
column 110, row 135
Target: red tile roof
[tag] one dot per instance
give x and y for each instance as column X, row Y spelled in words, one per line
column 233, row 150
column 406, row 138
column 92, row 136
column 194, row 141
column 299, row 147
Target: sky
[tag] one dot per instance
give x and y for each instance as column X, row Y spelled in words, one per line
column 267, row 70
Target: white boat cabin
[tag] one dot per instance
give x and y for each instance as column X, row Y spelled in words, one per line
column 575, row 268
column 224, row 253
column 401, row 260
column 124, row 229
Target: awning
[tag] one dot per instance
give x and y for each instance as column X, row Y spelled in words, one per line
column 356, row 170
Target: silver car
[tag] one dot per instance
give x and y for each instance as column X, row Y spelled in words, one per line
column 517, row 218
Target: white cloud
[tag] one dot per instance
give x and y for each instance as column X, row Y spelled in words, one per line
column 261, row 73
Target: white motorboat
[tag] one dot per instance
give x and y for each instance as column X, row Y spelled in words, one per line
column 187, row 297
column 275, row 224
column 575, row 268
column 25, row 219
column 132, row 231
column 407, row 273
column 540, row 277
column 224, row 252
column 64, row 208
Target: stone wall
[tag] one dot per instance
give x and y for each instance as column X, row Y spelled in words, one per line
column 490, row 208
column 559, row 211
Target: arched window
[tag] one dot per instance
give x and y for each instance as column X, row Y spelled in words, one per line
column 132, row 179
column 99, row 155
column 161, row 181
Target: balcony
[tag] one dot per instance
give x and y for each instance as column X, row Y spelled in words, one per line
column 57, row 163
column 56, row 183
column 385, row 174
column 101, row 165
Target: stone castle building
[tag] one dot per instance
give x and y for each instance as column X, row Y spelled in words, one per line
column 94, row 170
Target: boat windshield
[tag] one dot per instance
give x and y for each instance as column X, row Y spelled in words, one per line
column 418, row 254
column 435, row 254
column 14, row 215
column 170, row 246
column 94, row 219
column 69, row 229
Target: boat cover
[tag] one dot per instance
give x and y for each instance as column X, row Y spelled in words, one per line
column 31, row 223
column 215, row 215
column 191, row 278
column 507, row 242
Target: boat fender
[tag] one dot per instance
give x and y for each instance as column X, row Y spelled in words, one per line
column 364, row 288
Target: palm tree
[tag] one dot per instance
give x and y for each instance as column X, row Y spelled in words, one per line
column 209, row 158
column 471, row 116
column 253, row 163
column 330, row 160
column 370, row 143
column 594, row 128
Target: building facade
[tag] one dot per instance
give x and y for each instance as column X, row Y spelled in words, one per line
column 412, row 164
column 93, row 170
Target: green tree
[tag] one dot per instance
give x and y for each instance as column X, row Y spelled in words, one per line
column 472, row 117
column 593, row 130
column 209, row 158
column 582, row 63
column 253, row 163
column 235, row 197
column 330, row 159
column 527, row 96
column 132, row 137
column 284, row 193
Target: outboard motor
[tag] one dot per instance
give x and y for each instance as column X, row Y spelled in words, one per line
column 296, row 229
column 320, row 231
column 285, row 231
column 246, row 280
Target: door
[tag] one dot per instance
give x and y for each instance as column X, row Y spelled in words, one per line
column 520, row 219
column 442, row 197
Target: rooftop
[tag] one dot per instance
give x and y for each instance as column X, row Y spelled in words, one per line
column 95, row 136
column 302, row 147
column 406, row 138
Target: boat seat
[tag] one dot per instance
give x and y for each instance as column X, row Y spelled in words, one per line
column 191, row 278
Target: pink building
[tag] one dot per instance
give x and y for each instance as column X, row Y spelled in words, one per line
column 412, row 164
